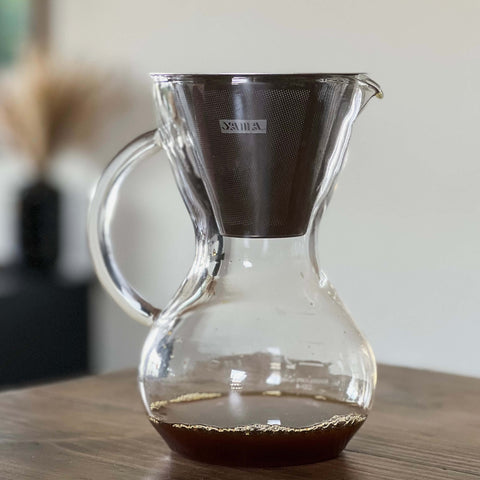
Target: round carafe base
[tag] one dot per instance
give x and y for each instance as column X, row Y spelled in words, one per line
column 264, row 429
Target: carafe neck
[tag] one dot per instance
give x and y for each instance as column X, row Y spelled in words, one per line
column 246, row 255
column 275, row 270
column 263, row 268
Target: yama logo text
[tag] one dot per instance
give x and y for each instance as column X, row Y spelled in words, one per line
column 243, row 126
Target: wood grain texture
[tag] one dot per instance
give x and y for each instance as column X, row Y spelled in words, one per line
column 424, row 425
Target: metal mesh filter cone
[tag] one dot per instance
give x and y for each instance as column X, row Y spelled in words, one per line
column 263, row 146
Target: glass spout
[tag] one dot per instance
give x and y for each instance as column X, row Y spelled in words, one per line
column 370, row 87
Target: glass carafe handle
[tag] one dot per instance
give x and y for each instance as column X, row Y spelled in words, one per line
column 99, row 221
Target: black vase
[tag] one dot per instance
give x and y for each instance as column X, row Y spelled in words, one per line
column 39, row 225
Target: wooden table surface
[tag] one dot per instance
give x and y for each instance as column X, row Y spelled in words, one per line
column 424, row 425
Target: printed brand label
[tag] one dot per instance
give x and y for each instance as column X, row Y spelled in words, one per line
column 243, row 126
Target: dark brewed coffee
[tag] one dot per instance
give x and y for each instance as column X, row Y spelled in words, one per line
column 260, row 429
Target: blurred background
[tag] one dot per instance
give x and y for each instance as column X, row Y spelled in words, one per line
column 401, row 238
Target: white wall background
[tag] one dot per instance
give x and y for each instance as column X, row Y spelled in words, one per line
column 401, row 239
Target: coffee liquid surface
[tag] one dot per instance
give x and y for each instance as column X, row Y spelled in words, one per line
column 256, row 429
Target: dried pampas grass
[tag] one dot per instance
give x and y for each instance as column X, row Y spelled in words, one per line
column 45, row 106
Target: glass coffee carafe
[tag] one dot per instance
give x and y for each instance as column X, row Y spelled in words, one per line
column 255, row 360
